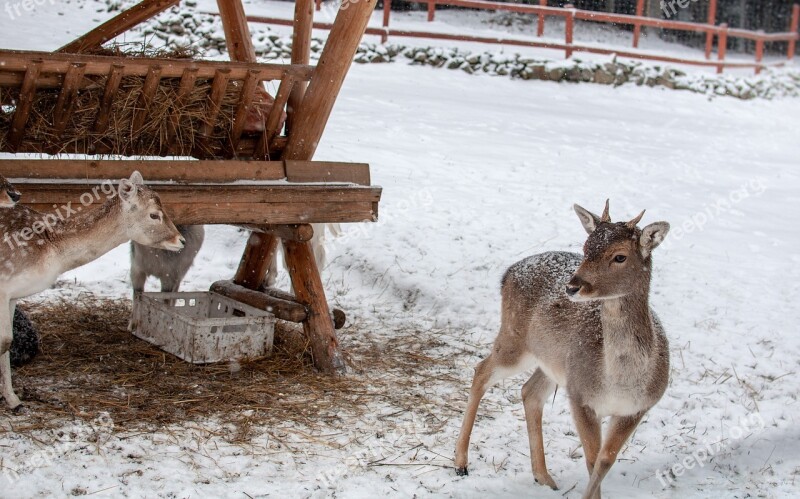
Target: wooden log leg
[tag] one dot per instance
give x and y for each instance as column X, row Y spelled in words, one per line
column 318, row 326
column 258, row 254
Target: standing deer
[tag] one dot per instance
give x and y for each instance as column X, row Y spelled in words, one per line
column 135, row 212
column 169, row 267
column 584, row 324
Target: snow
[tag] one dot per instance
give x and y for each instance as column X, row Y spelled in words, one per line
column 479, row 172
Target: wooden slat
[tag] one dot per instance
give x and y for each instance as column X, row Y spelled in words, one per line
column 301, row 53
column 256, row 213
column 264, row 144
column 243, row 108
column 282, row 309
column 145, row 98
column 23, row 109
column 66, row 99
column 218, row 88
column 13, row 65
column 187, row 85
column 121, row 23
column 258, row 254
column 336, row 58
column 323, row 171
column 185, row 171
column 110, row 92
column 309, row 291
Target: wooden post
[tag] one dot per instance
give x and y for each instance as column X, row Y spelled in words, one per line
column 637, row 29
column 540, row 27
column 569, row 28
column 301, row 53
column 793, row 27
column 431, row 10
column 319, row 5
column 722, row 45
column 387, row 12
column 336, row 58
column 759, row 51
column 121, row 23
column 318, row 326
column 257, row 256
column 237, row 34
column 712, row 21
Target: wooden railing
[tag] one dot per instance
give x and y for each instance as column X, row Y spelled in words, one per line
column 570, row 14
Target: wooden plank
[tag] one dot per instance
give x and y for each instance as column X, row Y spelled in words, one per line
column 301, row 53
column 13, row 65
column 336, row 58
column 145, row 98
column 110, row 92
column 256, row 258
column 323, row 171
column 243, row 107
column 66, row 99
column 222, row 194
column 26, row 95
column 187, row 85
column 274, row 118
column 282, row 309
column 119, row 24
column 182, row 171
column 308, row 289
column 237, row 34
column 254, row 213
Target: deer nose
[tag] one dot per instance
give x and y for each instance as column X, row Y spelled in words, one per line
column 14, row 195
column 572, row 290
column 182, row 240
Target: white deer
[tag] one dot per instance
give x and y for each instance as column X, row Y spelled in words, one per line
column 584, row 324
column 49, row 247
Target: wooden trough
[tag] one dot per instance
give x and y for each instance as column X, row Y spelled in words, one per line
column 252, row 149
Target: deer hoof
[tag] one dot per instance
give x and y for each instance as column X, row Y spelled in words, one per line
column 545, row 479
column 462, row 471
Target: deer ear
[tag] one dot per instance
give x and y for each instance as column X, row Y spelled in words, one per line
column 651, row 237
column 127, row 189
column 587, row 218
column 136, row 178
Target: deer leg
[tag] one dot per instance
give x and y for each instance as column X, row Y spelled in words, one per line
column 138, row 279
column 588, row 425
column 534, row 395
column 6, row 334
column 171, row 283
column 620, row 429
column 487, row 374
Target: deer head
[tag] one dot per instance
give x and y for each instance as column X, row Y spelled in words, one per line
column 8, row 194
column 616, row 257
column 144, row 217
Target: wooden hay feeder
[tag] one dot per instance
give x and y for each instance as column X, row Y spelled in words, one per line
column 252, row 149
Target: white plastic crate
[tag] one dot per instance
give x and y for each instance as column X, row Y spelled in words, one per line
column 204, row 327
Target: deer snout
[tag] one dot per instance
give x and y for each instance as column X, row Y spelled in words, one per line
column 14, row 195
column 572, row 290
column 574, row 286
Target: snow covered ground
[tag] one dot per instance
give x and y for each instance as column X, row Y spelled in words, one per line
column 479, row 172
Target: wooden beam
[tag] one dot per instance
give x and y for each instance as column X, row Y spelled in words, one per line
column 26, row 95
column 243, row 108
column 66, row 98
column 282, row 309
column 119, row 24
column 149, row 89
column 295, row 232
column 318, row 326
column 237, row 34
column 187, row 85
column 258, row 254
column 301, row 52
column 110, row 92
column 336, row 58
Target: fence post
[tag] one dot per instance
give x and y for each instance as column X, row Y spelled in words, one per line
column 431, row 10
column 540, row 27
column 759, row 51
column 793, row 28
column 570, row 27
column 712, row 21
column 637, row 28
column 387, row 11
column 722, row 45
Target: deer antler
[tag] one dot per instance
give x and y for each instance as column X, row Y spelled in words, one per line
column 632, row 223
column 605, row 217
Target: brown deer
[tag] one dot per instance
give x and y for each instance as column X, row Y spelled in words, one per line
column 583, row 324
column 49, row 247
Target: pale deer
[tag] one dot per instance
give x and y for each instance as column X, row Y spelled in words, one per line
column 59, row 245
column 584, row 324
column 169, row 267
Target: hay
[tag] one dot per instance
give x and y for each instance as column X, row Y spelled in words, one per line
column 90, row 364
column 170, row 129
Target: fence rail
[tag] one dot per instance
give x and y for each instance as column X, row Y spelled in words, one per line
column 722, row 32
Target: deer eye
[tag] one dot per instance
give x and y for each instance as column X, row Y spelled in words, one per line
column 620, row 258
column 155, row 216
